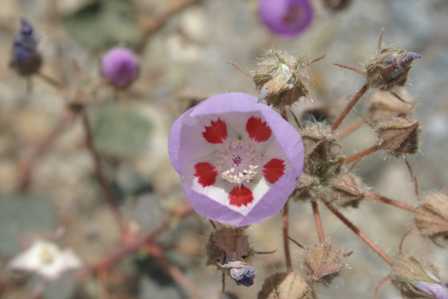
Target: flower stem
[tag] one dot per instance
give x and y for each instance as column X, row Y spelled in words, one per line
column 285, row 219
column 347, row 131
column 318, row 221
column 391, row 202
column 356, row 97
column 362, row 154
column 358, row 233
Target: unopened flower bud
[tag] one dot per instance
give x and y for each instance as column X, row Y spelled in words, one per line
column 287, row 18
column 280, row 78
column 398, row 135
column 431, row 217
column 390, row 68
column 408, row 274
column 243, row 274
column 120, row 67
column 348, row 190
column 26, row 60
column 323, row 262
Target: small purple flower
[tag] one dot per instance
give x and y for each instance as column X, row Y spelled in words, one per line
column 286, row 17
column 436, row 290
column 120, row 67
column 238, row 159
column 25, row 57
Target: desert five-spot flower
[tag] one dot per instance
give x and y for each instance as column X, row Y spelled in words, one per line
column 238, row 159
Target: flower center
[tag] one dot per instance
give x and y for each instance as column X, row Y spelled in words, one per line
column 238, row 161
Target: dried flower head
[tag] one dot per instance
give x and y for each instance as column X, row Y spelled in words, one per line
column 390, row 68
column 431, row 217
column 348, row 189
column 286, row 18
column 336, row 5
column 280, row 78
column 238, row 159
column 384, row 104
column 285, row 286
column 398, row 135
column 408, row 273
column 46, row 259
column 26, row 60
column 120, row 67
column 323, row 262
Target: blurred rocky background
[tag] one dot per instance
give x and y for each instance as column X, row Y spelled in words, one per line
column 191, row 56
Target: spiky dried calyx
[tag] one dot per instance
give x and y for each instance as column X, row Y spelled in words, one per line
column 390, row 68
column 408, row 272
column 323, row 154
column 348, row 189
column 323, row 262
column 398, row 135
column 228, row 244
column 280, row 78
column 431, row 217
column 285, row 286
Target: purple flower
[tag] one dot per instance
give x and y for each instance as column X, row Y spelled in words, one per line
column 25, row 57
column 120, row 67
column 238, row 159
column 436, row 290
column 286, row 17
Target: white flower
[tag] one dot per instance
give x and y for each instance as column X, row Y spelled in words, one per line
column 46, row 259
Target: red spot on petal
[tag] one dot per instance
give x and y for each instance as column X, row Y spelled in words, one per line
column 206, row 173
column 258, row 129
column 273, row 170
column 216, row 132
column 240, row 195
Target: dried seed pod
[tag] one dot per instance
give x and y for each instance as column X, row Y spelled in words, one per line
column 336, row 5
column 384, row 104
column 398, row 135
column 408, row 272
column 322, row 151
column 228, row 244
column 285, row 286
column 305, row 187
column 323, row 262
column 348, row 190
column 280, row 78
column 390, row 68
column 431, row 217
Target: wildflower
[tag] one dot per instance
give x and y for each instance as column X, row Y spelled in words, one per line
column 435, row 290
column 119, row 66
column 238, row 159
column 287, row 18
column 25, row 57
column 46, row 259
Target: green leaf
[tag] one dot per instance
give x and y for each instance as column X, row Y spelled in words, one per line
column 21, row 216
column 120, row 131
column 104, row 23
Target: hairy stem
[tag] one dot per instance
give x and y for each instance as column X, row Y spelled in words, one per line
column 318, row 221
column 347, row 131
column 354, row 100
column 285, row 219
column 391, row 202
column 362, row 154
column 358, row 233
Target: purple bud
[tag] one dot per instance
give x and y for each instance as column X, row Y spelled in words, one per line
column 243, row 276
column 25, row 57
column 286, row 17
column 436, row 290
column 120, row 67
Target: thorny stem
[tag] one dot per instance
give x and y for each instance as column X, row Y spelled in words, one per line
column 98, row 167
column 27, row 166
column 362, row 154
column 358, row 233
column 285, row 219
column 318, row 221
column 150, row 27
column 356, row 97
column 347, row 131
column 391, row 202
column 413, row 177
